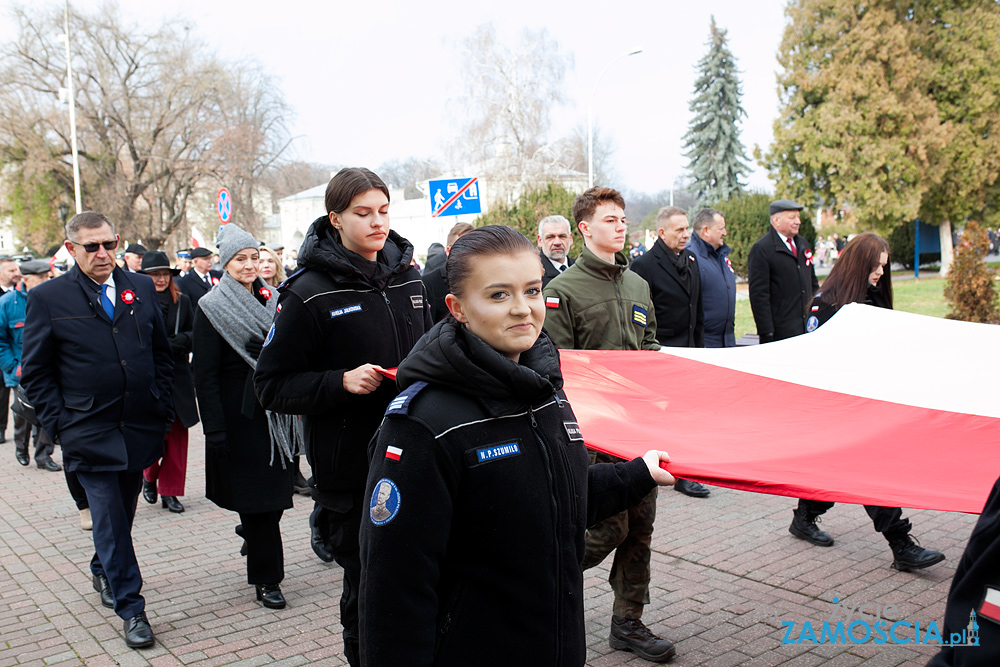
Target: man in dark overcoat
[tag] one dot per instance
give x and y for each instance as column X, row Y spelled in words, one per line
column 782, row 276
column 201, row 277
column 675, row 286
column 674, row 282
column 97, row 367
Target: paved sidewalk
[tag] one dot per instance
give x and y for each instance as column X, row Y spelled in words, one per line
column 726, row 573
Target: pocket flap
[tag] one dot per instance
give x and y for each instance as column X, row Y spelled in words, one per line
column 78, row 401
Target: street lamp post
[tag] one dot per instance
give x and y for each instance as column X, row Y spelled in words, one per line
column 590, row 115
column 72, row 114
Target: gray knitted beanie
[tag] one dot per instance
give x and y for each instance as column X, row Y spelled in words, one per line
column 231, row 240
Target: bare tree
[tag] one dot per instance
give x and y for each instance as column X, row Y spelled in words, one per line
column 572, row 152
column 159, row 118
column 407, row 173
column 509, row 92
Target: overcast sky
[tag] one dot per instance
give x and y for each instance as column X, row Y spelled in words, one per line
column 375, row 81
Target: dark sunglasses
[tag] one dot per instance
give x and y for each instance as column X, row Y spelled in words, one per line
column 92, row 247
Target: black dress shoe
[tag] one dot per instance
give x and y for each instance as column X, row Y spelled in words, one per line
column 149, row 492
column 138, row 634
column 318, row 543
column 102, row 586
column 50, row 465
column 693, row 489
column 171, row 503
column 270, row 596
column 22, row 457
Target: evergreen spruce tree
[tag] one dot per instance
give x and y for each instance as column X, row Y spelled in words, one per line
column 712, row 143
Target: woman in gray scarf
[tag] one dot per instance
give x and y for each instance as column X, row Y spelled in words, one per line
column 247, row 450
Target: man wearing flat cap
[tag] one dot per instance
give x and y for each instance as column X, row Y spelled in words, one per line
column 133, row 257
column 200, row 278
column 782, row 275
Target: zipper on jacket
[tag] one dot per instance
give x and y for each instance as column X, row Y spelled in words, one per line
column 555, row 515
column 621, row 311
column 395, row 331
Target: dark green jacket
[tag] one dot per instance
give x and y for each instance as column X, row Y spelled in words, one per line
column 594, row 305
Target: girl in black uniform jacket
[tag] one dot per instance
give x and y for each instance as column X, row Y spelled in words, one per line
column 354, row 310
column 480, row 490
column 859, row 277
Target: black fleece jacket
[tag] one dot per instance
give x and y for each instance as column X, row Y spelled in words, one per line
column 336, row 313
column 474, row 557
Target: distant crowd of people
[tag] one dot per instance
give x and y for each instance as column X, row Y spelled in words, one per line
column 455, row 492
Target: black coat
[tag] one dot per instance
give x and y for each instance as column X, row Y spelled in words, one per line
column 101, row 387
column 480, row 564
column 680, row 315
column 240, row 476
column 179, row 324
column 976, row 572
column 550, row 271
column 192, row 285
column 781, row 286
column 436, row 286
column 338, row 313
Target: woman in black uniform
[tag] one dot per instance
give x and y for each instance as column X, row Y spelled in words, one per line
column 480, row 490
column 859, row 277
column 354, row 309
column 247, row 452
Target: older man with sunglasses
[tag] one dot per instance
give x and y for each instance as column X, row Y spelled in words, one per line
column 97, row 367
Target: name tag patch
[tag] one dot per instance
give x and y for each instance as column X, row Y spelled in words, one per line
column 417, row 300
column 346, row 310
column 573, row 431
column 497, row 452
column 639, row 315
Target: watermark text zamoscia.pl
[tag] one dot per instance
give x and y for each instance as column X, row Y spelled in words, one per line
column 864, row 625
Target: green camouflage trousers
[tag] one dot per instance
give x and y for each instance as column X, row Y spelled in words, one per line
column 629, row 535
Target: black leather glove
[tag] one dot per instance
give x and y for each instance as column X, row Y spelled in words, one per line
column 254, row 346
column 216, row 442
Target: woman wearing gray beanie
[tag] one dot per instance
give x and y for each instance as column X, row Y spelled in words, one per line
column 247, row 449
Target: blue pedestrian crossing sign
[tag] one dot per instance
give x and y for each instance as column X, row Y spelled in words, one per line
column 454, row 196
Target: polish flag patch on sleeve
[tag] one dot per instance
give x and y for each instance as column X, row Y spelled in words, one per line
column 551, row 302
column 393, row 453
column 991, row 605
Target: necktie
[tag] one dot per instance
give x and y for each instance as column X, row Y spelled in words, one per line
column 562, row 268
column 791, row 244
column 109, row 307
column 207, row 282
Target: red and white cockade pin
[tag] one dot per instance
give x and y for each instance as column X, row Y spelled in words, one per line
column 266, row 293
column 215, row 281
column 128, row 297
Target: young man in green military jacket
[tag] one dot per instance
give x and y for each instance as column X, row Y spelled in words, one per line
column 597, row 305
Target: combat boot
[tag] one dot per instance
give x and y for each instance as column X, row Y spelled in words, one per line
column 804, row 527
column 630, row 634
column 908, row 555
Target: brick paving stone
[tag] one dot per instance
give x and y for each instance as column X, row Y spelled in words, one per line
column 725, row 575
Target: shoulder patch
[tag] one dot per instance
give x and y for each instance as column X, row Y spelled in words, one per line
column 551, row 302
column 573, row 431
column 401, row 404
column 639, row 315
column 812, row 323
column 385, row 502
column 270, row 335
column 417, row 300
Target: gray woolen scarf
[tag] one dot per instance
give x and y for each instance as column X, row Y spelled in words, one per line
column 239, row 317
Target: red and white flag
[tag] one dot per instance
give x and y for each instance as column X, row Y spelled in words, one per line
column 393, row 453
column 875, row 407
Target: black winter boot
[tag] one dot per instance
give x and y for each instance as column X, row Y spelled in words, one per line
column 804, row 527
column 908, row 555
